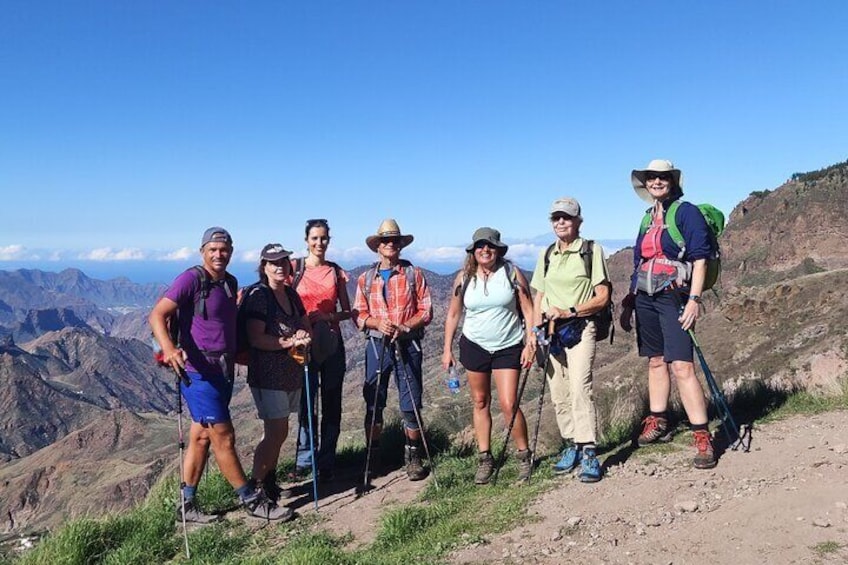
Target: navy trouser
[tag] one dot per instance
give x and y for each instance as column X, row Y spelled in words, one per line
column 403, row 358
column 325, row 381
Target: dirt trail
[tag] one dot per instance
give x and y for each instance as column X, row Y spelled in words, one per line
column 783, row 502
column 786, row 501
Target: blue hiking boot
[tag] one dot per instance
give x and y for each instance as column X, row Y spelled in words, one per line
column 569, row 459
column 590, row 467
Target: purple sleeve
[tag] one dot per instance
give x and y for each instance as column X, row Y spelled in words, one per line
column 183, row 289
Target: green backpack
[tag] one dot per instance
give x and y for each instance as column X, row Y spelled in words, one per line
column 715, row 223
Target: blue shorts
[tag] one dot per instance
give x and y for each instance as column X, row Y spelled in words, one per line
column 403, row 358
column 657, row 330
column 208, row 398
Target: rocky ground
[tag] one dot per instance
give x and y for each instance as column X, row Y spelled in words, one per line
column 783, row 502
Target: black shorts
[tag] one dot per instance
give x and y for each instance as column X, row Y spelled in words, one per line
column 475, row 358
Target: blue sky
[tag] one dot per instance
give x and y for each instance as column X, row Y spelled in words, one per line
column 127, row 128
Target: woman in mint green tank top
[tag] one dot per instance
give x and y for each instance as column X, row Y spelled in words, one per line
column 495, row 343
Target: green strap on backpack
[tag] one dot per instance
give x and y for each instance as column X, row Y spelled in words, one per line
column 715, row 224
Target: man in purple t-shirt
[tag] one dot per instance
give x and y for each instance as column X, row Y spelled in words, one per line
column 205, row 357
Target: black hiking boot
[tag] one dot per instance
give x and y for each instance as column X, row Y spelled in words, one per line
column 195, row 515
column 258, row 505
column 485, row 468
column 414, row 468
column 272, row 490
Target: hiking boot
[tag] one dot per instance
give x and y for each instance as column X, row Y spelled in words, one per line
column 414, row 468
column 569, row 459
column 525, row 465
column 195, row 515
column 705, row 458
column 299, row 474
column 485, row 468
column 258, row 505
column 654, row 429
column 590, row 467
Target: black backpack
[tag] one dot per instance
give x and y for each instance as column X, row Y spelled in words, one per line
column 604, row 326
column 229, row 284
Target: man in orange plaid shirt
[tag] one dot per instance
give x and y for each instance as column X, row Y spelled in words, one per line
column 393, row 305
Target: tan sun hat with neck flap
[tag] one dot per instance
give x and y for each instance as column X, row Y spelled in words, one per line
column 637, row 178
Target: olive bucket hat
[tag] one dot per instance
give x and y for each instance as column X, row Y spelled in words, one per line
column 489, row 235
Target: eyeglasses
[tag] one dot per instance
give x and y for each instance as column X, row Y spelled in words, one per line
column 661, row 176
column 387, row 240
column 482, row 244
column 564, row 217
column 278, row 262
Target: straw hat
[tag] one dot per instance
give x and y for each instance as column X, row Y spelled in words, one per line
column 388, row 228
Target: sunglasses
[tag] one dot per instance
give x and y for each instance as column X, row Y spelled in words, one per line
column 482, row 244
column 661, row 176
column 557, row 217
column 387, row 240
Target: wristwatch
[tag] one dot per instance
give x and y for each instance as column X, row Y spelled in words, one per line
column 573, row 311
column 695, row 298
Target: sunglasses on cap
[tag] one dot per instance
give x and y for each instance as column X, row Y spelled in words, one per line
column 661, row 176
column 316, row 221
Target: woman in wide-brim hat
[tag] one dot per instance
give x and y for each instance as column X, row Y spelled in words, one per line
column 495, row 295
column 665, row 292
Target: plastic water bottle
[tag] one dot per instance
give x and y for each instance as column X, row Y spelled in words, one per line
column 453, row 380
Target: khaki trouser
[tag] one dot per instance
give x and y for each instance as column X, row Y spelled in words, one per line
column 570, row 377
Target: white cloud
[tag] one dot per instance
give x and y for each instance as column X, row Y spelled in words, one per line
column 12, row 253
column 180, row 254
column 439, row 255
column 109, row 254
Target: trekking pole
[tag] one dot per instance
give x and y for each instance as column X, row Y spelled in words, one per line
column 309, row 411
column 366, row 479
column 546, row 342
column 502, row 457
column 743, row 440
column 421, row 430
column 182, row 377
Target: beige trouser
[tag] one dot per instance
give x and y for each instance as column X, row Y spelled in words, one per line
column 570, row 377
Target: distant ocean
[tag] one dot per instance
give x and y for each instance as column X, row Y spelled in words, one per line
column 165, row 271
column 156, row 271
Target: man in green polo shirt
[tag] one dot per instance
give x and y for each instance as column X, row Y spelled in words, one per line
column 566, row 294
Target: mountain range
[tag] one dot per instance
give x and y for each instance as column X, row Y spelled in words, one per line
column 88, row 421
